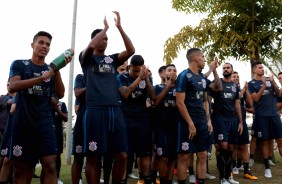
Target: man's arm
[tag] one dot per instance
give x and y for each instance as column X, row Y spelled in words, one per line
column 79, row 92
column 256, row 96
column 87, row 53
column 207, row 110
column 239, row 116
column 130, row 50
column 180, row 97
column 216, row 85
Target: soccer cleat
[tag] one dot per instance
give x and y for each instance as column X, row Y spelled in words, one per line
column 210, row 177
column 267, row 173
column 192, row 178
column 158, row 181
column 235, row 170
column 271, row 163
column 60, row 182
column 224, row 181
column 140, row 181
column 232, row 181
column 133, row 176
column 250, row 176
column 241, row 168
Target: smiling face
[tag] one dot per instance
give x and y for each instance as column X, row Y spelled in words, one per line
column 41, row 46
column 235, row 78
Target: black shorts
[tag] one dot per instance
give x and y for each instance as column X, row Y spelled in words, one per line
column 104, row 131
column 244, row 137
column 200, row 141
column 30, row 142
column 139, row 134
column 268, row 127
column 77, row 146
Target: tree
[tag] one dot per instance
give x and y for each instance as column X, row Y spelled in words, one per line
column 243, row 29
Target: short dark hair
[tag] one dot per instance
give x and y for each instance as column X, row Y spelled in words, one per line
column 279, row 73
column 170, row 65
column 234, row 72
column 255, row 64
column 137, row 60
column 161, row 69
column 95, row 32
column 190, row 53
column 229, row 64
column 42, row 33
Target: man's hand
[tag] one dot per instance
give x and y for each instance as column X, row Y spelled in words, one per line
column 117, row 19
column 210, row 128
column 106, row 23
column 192, row 131
column 143, row 72
column 213, row 65
column 47, row 75
column 240, row 128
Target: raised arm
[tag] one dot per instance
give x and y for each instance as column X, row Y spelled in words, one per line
column 130, row 50
column 87, row 53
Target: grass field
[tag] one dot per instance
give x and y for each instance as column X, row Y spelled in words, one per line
column 257, row 170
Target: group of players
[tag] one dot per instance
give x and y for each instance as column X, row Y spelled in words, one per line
column 118, row 111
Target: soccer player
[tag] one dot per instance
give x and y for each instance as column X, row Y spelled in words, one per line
column 104, row 126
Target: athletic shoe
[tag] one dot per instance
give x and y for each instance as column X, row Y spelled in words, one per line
column 133, row 176
column 232, row 181
column 224, row 181
column 210, row 177
column 174, row 182
column 271, row 163
column 80, row 181
column 60, row 182
column 235, row 170
column 250, row 176
column 267, row 173
column 158, row 181
column 101, row 180
column 140, row 181
column 251, row 162
column 192, row 178
column 241, row 168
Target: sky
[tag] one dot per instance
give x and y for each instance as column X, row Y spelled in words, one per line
column 148, row 23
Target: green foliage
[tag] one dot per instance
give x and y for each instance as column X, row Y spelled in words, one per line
column 243, row 29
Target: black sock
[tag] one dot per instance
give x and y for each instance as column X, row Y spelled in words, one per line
column 191, row 170
column 239, row 162
column 224, row 163
column 246, row 168
column 123, row 181
column 162, row 180
column 153, row 176
column 270, row 158
column 200, row 181
column 181, row 181
column 266, row 164
column 168, row 181
column 252, row 156
column 207, row 164
column 234, row 164
column 147, row 180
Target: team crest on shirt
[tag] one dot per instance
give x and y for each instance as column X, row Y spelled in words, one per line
column 233, row 88
column 267, row 83
column 220, row 137
column 188, row 75
column 174, row 92
column 185, row 146
column 43, row 72
column 93, row 146
column 78, row 149
column 26, row 62
column 17, row 151
column 4, row 152
column 142, row 84
column 259, row 134
column 204, row 83
column 108, row 59
column 159, row 151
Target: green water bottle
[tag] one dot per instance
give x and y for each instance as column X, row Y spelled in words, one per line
column 59, row 62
